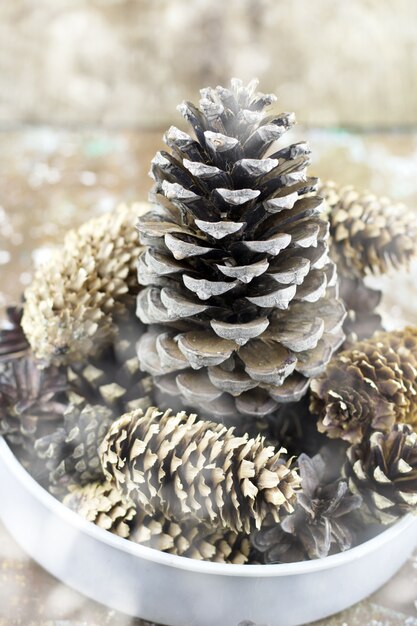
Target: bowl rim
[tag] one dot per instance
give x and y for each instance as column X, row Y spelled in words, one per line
column 192, row 565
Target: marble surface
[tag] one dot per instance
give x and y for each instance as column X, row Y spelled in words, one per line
column 52, row 180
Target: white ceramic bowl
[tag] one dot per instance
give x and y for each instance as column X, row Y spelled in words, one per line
column 182, row 592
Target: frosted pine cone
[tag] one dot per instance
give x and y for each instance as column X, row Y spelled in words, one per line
column 70, row 304
column 196, row 469
column 371, row 386
column 383, row 470
column 241, row 295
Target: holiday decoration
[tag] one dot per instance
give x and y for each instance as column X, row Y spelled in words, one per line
column 190, row 468
column 241, row 297
column 383, row 470
column 371, row 386
column 238, row 302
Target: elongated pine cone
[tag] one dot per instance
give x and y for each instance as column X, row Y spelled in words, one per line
column 190, row 469
column 70, row 304
column 102, row 504
column 371, row 386
column 383, row 470
column 369, row 234
column 241, row 295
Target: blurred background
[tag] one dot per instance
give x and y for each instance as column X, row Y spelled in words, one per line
column 87, row 88
column 127, row 63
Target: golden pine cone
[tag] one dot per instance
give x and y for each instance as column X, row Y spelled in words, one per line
column 191, row 469
column 70, row 304
column 371, row 386
column 370, row 234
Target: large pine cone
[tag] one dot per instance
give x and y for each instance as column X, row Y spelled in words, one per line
column 241, row 294
column 369, row 234
column 371, row 386
column 383, row 470
column 191, row 469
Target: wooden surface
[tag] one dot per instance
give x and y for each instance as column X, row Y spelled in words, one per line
column 52, row 180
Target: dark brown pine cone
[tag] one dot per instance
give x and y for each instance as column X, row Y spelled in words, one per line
column 70, row 452
column 369, row 234
column 371, row 386
column 383, row 470
column 13, row 342
column 193, row 469
column 323, row 520
column 241, row 296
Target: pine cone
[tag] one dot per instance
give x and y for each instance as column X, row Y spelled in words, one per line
column 371, row 386
column 241, row 295
column 71, row 301
column 369, row 234
column 32, row 400
column 112, row 378
column 383, row 470
column 191, row 469
column 13, row 343
column 103, row 505
column 322, row 521
column 361, row 302
column 71, row 451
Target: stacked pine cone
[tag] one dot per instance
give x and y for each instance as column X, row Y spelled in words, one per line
column 237, row 303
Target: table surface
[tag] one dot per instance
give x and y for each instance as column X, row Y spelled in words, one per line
column 52, row 180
